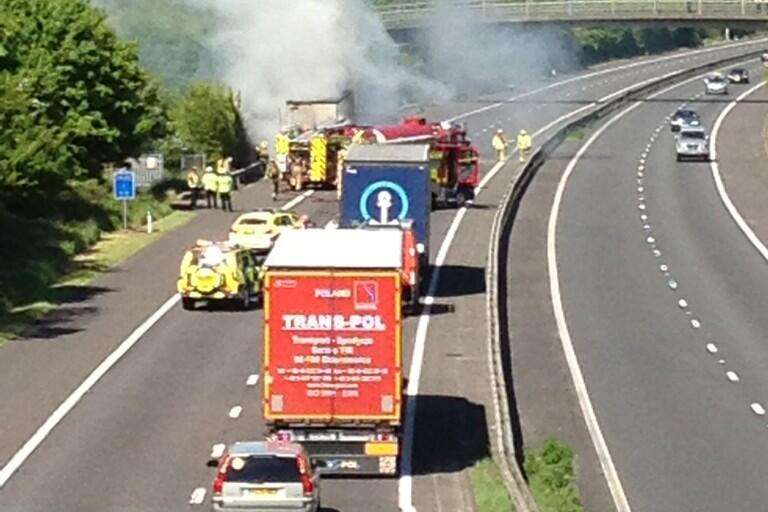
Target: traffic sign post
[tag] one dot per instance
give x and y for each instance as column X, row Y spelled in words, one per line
column 124, row 187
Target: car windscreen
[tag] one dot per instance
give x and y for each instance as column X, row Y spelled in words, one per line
column 693, row 135
column 716, row 79
column 264, row 469
column 686, row 114
column 252, row 222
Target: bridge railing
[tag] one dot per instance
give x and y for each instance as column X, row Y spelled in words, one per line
column 403, row 14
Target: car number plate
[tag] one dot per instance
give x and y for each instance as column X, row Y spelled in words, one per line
column 261, row 492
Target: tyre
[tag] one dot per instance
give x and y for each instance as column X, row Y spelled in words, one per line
column 187, row 303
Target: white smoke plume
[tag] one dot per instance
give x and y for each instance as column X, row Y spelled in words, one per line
column 275, row 50
column 462, row 49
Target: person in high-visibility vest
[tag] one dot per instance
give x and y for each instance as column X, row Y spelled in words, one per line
column 499, row 144
column 193, row 183
column 224, row 184
column 524, row 144
column 210, row 185
column 282, row 148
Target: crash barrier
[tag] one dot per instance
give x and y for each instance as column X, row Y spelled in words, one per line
column 500, row 340
column 248, row 174
column 414, row 14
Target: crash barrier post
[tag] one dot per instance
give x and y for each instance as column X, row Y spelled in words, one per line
column 500, row 343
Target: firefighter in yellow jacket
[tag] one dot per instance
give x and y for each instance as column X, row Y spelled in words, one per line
column 499, row 144
column 524, row 144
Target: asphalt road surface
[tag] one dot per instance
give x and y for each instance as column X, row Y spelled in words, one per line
column 664, row 299
column 140, row 438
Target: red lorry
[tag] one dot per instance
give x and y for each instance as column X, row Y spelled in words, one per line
column 333, row 347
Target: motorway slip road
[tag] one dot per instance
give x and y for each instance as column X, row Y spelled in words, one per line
column 140, row 437
column 663, row 299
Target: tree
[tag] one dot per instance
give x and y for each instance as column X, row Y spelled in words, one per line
column 206, row 120
column 73, row 96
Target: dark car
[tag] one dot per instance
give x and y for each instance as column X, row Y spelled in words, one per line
column 684, row 118
column 738, row 76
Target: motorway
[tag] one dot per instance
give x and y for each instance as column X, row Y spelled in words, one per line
column 664, row 303
column 139, row 439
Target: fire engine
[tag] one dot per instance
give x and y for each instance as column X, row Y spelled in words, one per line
column 454, row 161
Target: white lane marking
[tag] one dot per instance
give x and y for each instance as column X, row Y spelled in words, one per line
column 732, row 376
column 197, row 497
column 682, row 303
column 62, row 410
column 695, row 323
column 663, row 268
column 640, row 189
column 715, row 168
column 296, row 200
column 650, row 240
column 647, row 227
column 235, row 411
column 711, row 348
column 672, row 284
column 218, row 450
column 721, row 361
column 657, row 253
column 609, row 469
column 643, row 217
column 649, row 63
column 757, row 409
column 405, row 484
column 252, row 379
column 641, row 206
column 66, row 406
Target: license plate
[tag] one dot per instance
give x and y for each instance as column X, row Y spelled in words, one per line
column 261, row 492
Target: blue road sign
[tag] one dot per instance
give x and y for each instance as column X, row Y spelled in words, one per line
column 124, row 185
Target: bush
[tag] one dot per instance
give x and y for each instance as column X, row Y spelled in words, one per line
column 551, row 477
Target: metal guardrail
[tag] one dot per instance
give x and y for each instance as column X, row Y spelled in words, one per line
column 504, row 442
column 415, row 14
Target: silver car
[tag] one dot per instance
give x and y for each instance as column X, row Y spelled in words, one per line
column 716, row 84
column 692, row 143
column 265, row 476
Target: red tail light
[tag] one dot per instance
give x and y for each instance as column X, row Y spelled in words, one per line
column 221, row 476
column 306, row 480
column 307, row 484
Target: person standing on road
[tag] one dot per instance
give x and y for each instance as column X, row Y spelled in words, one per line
column 273, row 173
column 193, row 182
column 224, row 184
column 499, row 144
column 524, row 144
column 210, row 185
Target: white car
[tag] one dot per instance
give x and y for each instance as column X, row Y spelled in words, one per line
column 716, row 84
column 692, row 144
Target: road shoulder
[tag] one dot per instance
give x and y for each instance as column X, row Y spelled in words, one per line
column 742, row 151
column 544, row 397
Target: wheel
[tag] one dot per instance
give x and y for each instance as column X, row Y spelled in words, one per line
column 187, row 303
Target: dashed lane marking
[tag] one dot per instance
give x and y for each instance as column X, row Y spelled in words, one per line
column 732, row 376
column 252, row 379
column 711, row 348
column 218, row 450
column 235, row 411
column 757, row 408
column 198, row 496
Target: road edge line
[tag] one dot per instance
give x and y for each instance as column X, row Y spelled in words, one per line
column 72, row 400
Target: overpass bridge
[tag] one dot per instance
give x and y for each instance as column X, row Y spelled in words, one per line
column 406, row 15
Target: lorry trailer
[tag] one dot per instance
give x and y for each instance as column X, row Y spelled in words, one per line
column 332, row 371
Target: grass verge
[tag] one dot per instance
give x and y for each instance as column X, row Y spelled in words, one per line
column 551, row 477
column 488, row 488
column 111, row 249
